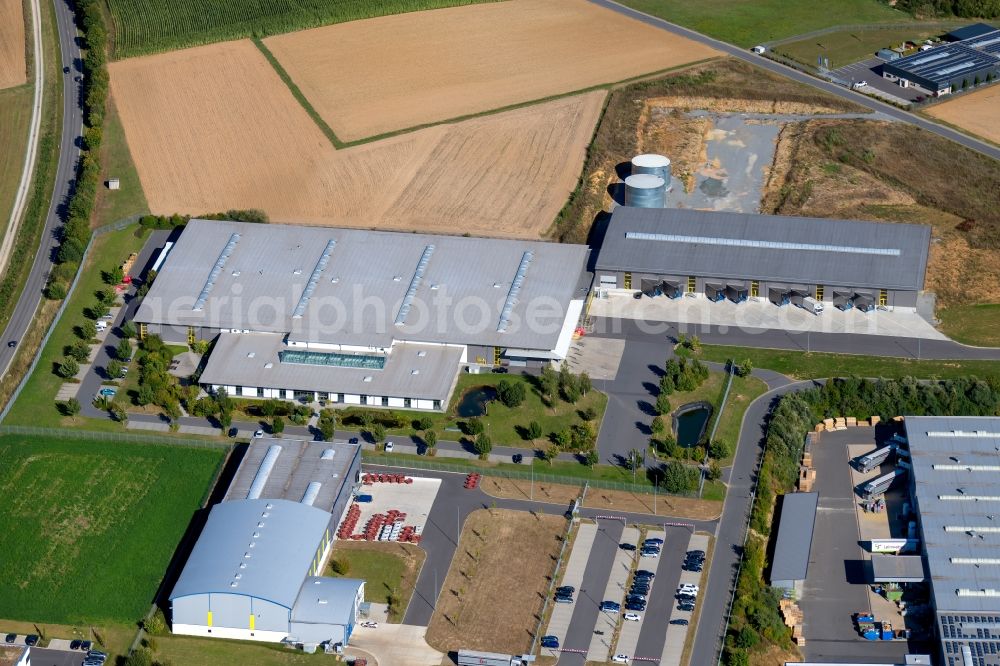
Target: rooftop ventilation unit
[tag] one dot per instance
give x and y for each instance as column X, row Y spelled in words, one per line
column 220, row 263
column 327, row 454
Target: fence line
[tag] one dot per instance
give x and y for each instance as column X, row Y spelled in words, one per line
column 125, row 437
column 394, row 461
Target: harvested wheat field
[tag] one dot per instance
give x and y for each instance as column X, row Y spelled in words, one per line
column 479, row 608
column 12, row 44
column 412, row 69
column 977, row 112
column 214, row 128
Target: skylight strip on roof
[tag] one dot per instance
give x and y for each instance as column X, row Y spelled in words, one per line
column 411, row 291
column 216, row 271
column 769, row 245
column 969, row 498
column 962, row 433
column 937, row 55
column 313, row 280
column 515, row 289
column 954, row 68
column 984, row 41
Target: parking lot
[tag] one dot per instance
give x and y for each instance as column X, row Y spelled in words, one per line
column 870, row 70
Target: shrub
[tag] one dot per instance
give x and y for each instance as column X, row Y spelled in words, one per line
column 511, row 392
column 430, row 439
column 68, row 368
column 340, row 566
column 56, row 291
column 474, row 426
column 719, row 449
column 483, row 445
column 86, row 330
column 278, row 425
column 534, row 430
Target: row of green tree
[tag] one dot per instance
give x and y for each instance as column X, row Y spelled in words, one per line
column 964, row 8
column 755, row 620
column 174, row 221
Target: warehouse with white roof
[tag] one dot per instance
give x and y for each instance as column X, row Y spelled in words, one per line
column 383, row 319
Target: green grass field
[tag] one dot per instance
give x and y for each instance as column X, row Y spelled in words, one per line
column 150, row 26
column 36, row 404
column 89, row 527
column 977, row 325
column 804, row 365
column 389, row 570
column 748, row 22
column 15, row 114
column 843, row 48
column 116, row 159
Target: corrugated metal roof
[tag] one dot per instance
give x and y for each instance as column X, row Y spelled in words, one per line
column 325, row 600
column 957, row 491
column 970, row 31
column 897, row 568
column 795, row 532
column 356, row 297
column 284, row 535
column 765, row 247
column 943, row 64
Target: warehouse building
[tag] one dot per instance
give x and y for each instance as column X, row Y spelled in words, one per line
column 972, row 57
column 955, row 490
column 677, row 252
column 361, row 317
column 255, row 571
column 791, row 550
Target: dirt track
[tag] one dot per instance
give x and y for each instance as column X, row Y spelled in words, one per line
column 976, row 112
column 411, row 69
column 214, row 128
column 12, row 65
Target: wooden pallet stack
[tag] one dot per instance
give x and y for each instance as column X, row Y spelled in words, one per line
column 792, row 616
column 807, row 475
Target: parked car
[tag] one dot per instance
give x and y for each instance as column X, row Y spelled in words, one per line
column 550, row 642
column 107, row 392
column 96, row 654
column 627, row 546
column 639, row 589
column 500, row 370
column 258, row 433
column 610, row 606
column 635, row 606
column 650, row 553
column 688, row 586
column 10, row 638
column 561, row 599
column 369, row 624
column 12, row 344
column 759, row 50
column 388, row 447
column 658, row 542
column 569, row 589
column 860, row 85
column 620, row 659
column 644, row 572
column 682, row 622
column 86, row 645
column 75, row 644
column 685, row 606
column 632, row 617
column 31, row 640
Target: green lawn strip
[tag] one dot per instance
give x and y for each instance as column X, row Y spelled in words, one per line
column 297, row 94
column 36, row 404
column 815, row 365
column 747, row 23
column 972, row 324
column 116, row 161
column 15, row 115
column 207, row 651
column 743, row 391
column 42, row 180
column 91, row 526
column 383, row 567
column 848, row 46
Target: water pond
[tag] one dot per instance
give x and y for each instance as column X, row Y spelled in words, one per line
column 475, row 400
column 690, row 422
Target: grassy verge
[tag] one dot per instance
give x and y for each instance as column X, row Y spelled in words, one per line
column 197, row 651
column 743, row 391
column 814, row 365
column 389, row 570
column 847, row 46
column 972, row 324
column 748, row 23
column 116, row 162
column 15, row 115
column 91, row 529
column 113, row 638
column 478, row 607
column 36, row 404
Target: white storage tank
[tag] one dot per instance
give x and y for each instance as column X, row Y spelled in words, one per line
column 645, row 191
column 650, row 163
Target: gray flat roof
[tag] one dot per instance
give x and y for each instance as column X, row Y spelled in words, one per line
column 325, row 600
column 742, row 246
column 971, row 31
column 795, row 533
column 943, row 64
column 897, row 568
column 285, row 536
column 956, row 481
column 411, row 370
column 367, row 288
column 300, row 463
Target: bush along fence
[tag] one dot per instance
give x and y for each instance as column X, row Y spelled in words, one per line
column 755, row 621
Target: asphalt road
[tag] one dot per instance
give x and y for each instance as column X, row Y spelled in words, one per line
column 69, row 151
column 661, row 599
column 794, row 74
column 591, row 593
column 761, row 338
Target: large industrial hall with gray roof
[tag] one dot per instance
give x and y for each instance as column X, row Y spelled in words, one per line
column 350, row 316
column 738, row 256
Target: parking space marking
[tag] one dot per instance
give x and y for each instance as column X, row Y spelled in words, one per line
column 600, row 644
column 628, row 639
column 674, row 645
column 562, row 614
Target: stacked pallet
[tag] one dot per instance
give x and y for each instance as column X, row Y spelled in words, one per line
column 807, row 477
column 797, row 636
column 792, row 615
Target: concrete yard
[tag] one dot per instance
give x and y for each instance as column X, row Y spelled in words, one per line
column 397, row 644
column 759, row 313
column 414, row 499
column 598, row 357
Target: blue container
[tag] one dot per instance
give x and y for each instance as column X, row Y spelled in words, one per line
column 364, row 499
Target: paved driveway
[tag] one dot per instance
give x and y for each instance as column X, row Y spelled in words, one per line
column 393, row 644
column 870, row 70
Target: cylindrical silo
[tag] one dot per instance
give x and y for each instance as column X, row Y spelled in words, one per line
column 645, row 191
column 657, row 165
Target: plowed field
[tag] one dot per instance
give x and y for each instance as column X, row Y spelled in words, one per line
column 12, row 66
column 379, row 75
column 977, row 112
column 214, row 128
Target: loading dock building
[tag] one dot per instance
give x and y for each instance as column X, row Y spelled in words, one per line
column 972, row 58
column 254, row 573
column 382, row 319
column 955, row 490
column 676, row 252
column 791, row 550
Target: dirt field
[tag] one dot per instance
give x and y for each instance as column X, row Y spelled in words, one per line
column 975, row 112
column 485, row 603
column 598, row 498
column 12, row 65
column 214, row 128
column 412, row 69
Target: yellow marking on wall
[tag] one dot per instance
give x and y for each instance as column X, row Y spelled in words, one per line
column 208, row 621
column 628, row 281
column 253, row 621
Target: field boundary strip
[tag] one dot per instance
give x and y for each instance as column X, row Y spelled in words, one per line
column 117, row 437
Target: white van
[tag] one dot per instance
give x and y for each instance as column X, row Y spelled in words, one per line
column 101, row 325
